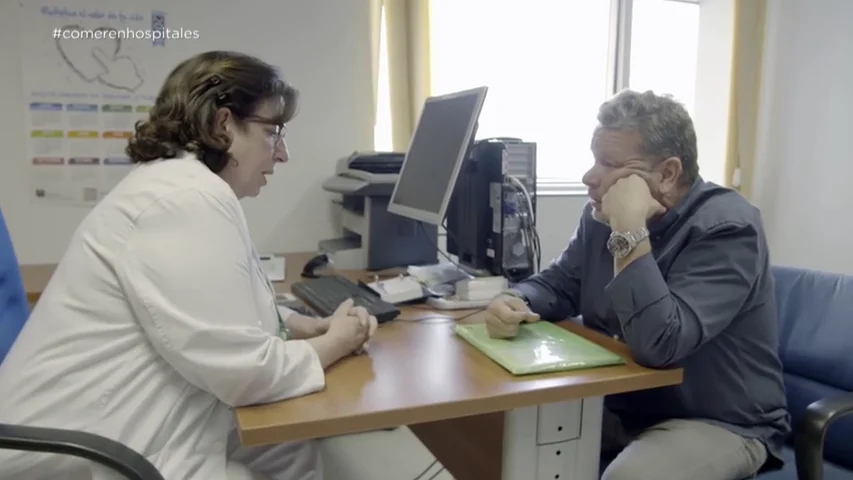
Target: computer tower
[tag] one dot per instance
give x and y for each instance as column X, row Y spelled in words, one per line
column 490, row 221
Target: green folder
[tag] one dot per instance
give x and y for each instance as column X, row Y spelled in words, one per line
column 539, row 347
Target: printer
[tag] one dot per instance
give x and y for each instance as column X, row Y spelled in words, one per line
column 371, row 238
column 371, row 173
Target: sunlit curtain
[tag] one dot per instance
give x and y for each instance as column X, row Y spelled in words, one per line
column 407, row 31
column 748, row 45
column 375, row 7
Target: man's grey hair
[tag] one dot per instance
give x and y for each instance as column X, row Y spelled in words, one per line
column 665, row 128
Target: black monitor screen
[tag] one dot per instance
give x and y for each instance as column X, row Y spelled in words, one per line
column 438, row 146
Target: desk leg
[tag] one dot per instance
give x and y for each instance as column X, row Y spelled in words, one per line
column 557, row 441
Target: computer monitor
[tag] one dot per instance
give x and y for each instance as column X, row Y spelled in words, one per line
column 438, row 147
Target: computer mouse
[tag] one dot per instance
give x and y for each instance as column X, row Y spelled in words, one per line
column 316, row 263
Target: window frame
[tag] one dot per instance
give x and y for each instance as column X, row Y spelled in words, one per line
column 618, row 76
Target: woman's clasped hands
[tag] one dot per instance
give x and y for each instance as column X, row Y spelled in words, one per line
column 350, row 329
column 353, row 326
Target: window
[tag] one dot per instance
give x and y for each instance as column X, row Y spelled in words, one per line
column 545, row 65
column 664, row 48
column 550, row 64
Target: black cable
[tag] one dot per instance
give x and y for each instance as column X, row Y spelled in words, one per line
column 436, row 474
column 439, row 316
column 527, row 227
column 470, row 314
column 452, row 236
column 421, row 475
column 530, row 225
column 434, row 245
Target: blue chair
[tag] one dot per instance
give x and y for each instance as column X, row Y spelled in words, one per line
column 14, row 310
column 815, row 312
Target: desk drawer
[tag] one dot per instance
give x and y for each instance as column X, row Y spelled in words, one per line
column 559, row 422
column 556, row 460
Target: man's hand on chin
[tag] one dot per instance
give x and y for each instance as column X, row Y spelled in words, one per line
column 629, row 204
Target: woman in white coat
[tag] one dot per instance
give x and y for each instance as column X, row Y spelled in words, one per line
column 159, row 318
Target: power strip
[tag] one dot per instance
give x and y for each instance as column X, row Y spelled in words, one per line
column 481, row 288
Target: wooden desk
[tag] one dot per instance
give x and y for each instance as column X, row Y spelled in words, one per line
column 35, row 278
column 465, row 408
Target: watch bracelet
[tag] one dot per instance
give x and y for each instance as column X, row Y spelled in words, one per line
column 515, row 293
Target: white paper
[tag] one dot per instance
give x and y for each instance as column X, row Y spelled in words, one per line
column 275, row 267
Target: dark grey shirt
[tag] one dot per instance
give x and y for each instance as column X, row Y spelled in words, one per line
column 702, row 300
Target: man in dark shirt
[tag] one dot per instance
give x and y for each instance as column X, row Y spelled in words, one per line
column 678, row 269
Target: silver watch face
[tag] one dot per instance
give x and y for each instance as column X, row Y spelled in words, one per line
column 619, row 245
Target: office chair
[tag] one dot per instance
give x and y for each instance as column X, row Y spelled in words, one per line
column 14, row 310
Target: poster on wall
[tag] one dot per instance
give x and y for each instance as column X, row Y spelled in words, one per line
column 90, row 72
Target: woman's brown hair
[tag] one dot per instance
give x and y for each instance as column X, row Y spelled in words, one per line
column 184, row 112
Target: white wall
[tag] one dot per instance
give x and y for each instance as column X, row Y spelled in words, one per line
column 558, row 217
column 805, row 151
column 292, row 213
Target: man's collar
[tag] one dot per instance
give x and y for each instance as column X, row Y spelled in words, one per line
column 663, row 223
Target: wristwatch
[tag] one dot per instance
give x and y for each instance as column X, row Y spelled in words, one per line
column 620, row 244
column 517, row 294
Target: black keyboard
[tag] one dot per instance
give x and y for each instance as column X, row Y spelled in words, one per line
column 324, row 295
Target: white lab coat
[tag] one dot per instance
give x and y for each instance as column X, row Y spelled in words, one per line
column 157, row 321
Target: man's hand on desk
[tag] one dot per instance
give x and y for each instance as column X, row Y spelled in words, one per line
column 348, row 331
column 504, row 315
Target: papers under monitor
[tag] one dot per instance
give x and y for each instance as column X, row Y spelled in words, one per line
column 539, row 347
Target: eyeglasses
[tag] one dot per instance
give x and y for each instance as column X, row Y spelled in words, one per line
column 279, row 130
